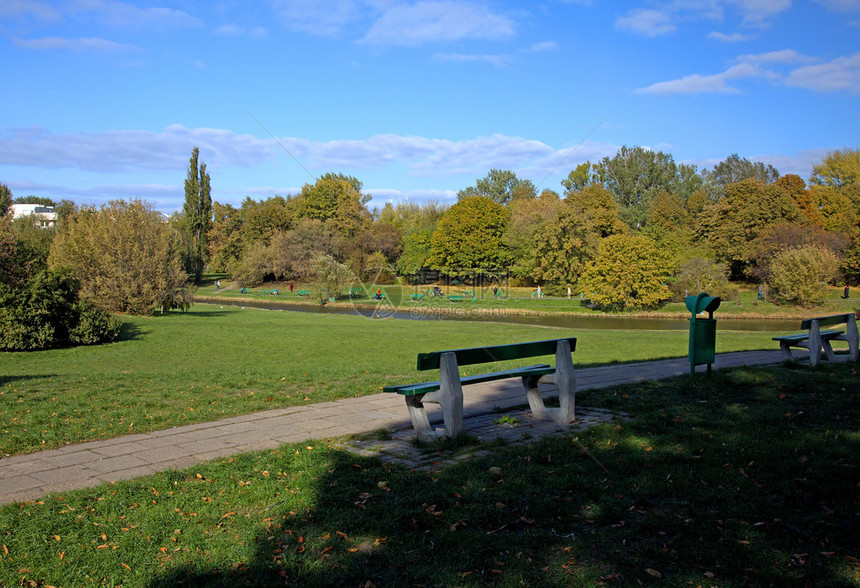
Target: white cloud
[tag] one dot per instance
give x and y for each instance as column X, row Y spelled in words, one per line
column 757, row 12
column 699, row 84
column 841, row 74
column 782, row 56
column 29, row 9
column 727, row 37
column 316, row 17
column 435, row 21
column 234, row 30
column 544, row 46
column 646, row 22
column 122, row 14
column 841, row 5
column 64, row 44
column 116, row 151
column 665, row 17
column 496, row 60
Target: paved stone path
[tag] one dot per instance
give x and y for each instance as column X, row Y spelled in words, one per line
column 27, row 477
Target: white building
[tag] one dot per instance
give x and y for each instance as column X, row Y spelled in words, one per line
column 45, row 215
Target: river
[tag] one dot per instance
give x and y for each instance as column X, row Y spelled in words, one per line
column 500, row 314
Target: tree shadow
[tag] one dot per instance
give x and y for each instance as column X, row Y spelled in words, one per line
column 725, row 483
column 4, row 380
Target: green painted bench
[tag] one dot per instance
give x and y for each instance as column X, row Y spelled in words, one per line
column 303, row 293
column 455, row 298
column 447, row 391
column 417, row 297
column 355, row 293
column 815, row 339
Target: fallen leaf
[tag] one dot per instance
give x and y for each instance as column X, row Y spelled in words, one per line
column 654, row 573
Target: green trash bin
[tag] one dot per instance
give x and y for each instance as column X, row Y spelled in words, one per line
column 703, row 331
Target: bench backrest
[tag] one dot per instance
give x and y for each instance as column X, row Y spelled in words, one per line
column 430, row 361
column 826, row 321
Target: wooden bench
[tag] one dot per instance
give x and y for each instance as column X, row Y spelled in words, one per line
column 447, row 391
column 455, row 298
column 303, row 293
column 815, row 339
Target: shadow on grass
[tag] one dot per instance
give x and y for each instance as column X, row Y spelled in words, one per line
column 745, row 479
column 6, row 380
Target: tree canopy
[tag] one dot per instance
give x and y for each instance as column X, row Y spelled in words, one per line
column 469, row 237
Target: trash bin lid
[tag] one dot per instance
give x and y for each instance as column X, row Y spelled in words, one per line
column 702, row 303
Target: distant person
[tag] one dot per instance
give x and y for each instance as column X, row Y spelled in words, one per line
column 539, row 292
column 760, row 295
column 568, row 292
column 378, row 294
column 845, row 292
column 291, row 288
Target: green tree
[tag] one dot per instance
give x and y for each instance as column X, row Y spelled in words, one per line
column 598, row 203
column 838, row 169
column 800, row 275
column 732, row 225
column 126, row 259
column 469, row 237
column 416, row 253
column 500, row 186
column 579, row 178
column 527, row 216
column 40, row 200
column 734, row 169
column 635, row 174
column 561, row 249
column 337, row 199
column 197, row 216
column 628, row 273
column 5, row 198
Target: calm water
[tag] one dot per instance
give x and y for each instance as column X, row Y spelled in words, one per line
column 499, row 315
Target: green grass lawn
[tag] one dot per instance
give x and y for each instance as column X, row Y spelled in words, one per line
column 211, row 362
column 749, row 478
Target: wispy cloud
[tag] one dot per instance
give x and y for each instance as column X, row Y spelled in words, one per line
column 439, row 21
column 544, row 46
column 727, row 37
column 315, row 17
column 234, row 30
column 663, row 18
column 839, row 75
column 645, row 22
column 699, row 84
column 123, row 14
column 841, row 5
column 496, row 60
column 64, row 44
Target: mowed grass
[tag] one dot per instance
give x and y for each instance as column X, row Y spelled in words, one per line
column 746, row 479
column 211, row 362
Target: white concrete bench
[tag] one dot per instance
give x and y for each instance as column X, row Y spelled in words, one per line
column 817, row 340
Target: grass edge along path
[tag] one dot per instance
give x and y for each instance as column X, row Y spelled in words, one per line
column 210, row 363
column 747, row 478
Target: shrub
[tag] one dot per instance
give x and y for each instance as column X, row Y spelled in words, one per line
column 702, row 275
column 45, row 312
column 800, row 275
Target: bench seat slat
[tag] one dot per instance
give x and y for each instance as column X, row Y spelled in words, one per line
column 412, row 389
column 430, row 361
column 805, row 336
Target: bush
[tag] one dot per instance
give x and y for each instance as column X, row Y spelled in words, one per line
column 94, row 325
column 702, row 275
column 800, row 275
column 45, row 313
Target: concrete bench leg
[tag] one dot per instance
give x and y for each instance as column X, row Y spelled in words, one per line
column 785, row 347
column 815, row 344
column 449, row 397
column 564, row 379
column 853, row 338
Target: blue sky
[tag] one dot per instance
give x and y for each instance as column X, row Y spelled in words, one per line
column 417, row 99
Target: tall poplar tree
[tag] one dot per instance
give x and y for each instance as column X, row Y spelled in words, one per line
column 197, row 216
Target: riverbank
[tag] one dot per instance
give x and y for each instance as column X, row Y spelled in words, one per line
column 398, row 300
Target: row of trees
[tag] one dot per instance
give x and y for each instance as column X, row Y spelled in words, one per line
column 631, row 231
